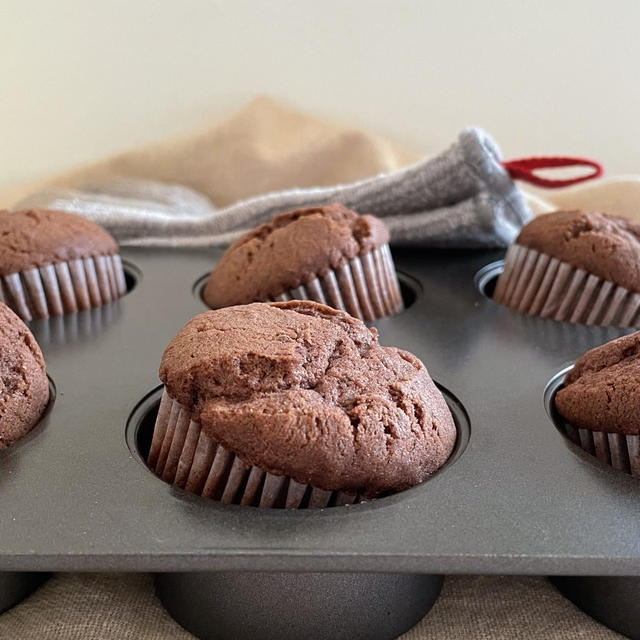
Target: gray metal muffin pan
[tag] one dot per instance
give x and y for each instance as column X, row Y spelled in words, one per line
column 520, row 499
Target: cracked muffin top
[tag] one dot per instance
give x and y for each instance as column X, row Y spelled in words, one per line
column 24, row 387
column 33, row 238
column 290, row 250
column 606, row 246
column 600, row 393
column 300, row 389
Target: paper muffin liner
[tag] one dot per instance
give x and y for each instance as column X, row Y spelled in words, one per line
column 614, row 449
column 537, row 284
column 64, row 287
column 366, row 287
column 182, row 455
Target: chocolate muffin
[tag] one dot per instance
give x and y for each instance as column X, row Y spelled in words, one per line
column 575, row 266
column 54, row 263
column 329, row 254
column 600, row 401
column 294, row 404
column 24, row 387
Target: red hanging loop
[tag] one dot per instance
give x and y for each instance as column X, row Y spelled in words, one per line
column 524, row 168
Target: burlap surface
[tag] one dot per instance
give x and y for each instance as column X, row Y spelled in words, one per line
column 124, row 607
column 264, row 147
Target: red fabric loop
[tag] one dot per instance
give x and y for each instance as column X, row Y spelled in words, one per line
column 524, row 168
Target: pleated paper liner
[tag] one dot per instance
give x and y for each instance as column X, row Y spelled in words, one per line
column 366, row 287
column 537, row 284
column 182, row 455
column 64, row 287
column 614, row 449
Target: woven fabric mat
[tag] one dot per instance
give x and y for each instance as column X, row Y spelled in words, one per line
column 119, row 606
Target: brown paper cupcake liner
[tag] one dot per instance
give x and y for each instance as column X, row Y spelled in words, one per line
column 614, row 449
column 182, row 455
column 64, row 287
column 537, row 284
column 366, row 287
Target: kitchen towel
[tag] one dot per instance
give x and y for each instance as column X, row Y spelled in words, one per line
column 269, row 146
column 461, row 198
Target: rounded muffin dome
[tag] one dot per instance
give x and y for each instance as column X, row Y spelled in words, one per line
column 289, row 251
column 33, row 238
column 53, row 263
column 601, row 392
column 24, row 387
column 574, row 266
column 302, row 390
column 606, row 246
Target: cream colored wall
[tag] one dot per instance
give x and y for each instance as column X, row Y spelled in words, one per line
column 79, row 80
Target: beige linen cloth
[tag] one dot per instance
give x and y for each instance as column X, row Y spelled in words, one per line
column 268, row 146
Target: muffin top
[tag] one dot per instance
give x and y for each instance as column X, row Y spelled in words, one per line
column 606, row 246
column 33, row 238
column 24, row 388
column 289, row 251
column 602, row 391
column 300, row 389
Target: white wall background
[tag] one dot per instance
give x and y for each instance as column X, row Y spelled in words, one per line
column 79, row 80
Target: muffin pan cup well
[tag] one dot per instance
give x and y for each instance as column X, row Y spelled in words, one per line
column 17, row 585
column 290, row 606
column 245, row 605
column 518, row 499
column 613, row 601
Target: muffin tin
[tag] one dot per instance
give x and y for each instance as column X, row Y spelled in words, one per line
column 516, row 498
